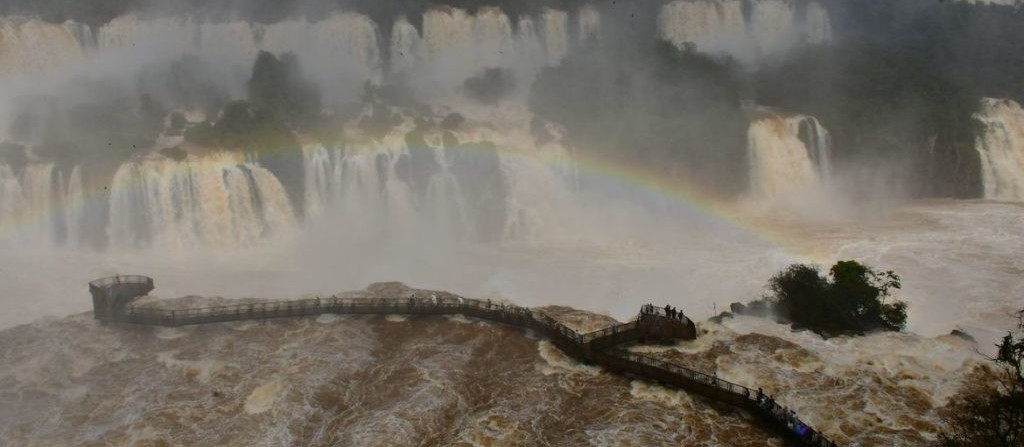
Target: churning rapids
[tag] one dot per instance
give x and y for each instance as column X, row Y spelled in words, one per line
column 499, row 207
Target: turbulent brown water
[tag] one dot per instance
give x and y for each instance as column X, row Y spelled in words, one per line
column 342, row 380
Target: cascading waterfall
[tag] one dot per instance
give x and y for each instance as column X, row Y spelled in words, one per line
column 475, row 184
column 721, row 26
column 1001, row 149
column 772, row 26
column 456, row 45
column 359, row 188
column 40, row 204
column 218, row 200
column 472, row 185
column 589, row 25
column 711, row 25
column 459, row 45
column 342, row 48
column 787, row 155
column 32, row 47
column 556, row 35
column 406, row 47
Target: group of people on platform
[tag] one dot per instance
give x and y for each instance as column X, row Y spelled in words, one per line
column 788, row 417
column 671, row 312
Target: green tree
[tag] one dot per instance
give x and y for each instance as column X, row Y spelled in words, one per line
column 851, row 299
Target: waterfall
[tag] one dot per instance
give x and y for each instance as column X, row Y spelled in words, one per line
column 33, row 47
column 406, row 47
column 218, row 200
column 459, row 45
column 714, row 26
column 772, row 26
column 1001, row 149
column 456, row 45
column 473, row 184
column 589, row 25
column 556, row 35
column 340, row 50
column 483, row 183
column 401, row 184
column 362, row 190
column 40, row 205
column 343, row 47
column 529, row 43
column 787, row 155
column 711, row 25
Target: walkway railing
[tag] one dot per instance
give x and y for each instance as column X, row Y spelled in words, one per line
column 593, row 347
column 756, row 401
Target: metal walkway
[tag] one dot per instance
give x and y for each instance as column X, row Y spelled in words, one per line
column 113, row 298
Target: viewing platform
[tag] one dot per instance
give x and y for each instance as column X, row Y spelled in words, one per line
column 113, row 300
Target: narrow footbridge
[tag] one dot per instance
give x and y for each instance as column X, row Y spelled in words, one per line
column 113, row 303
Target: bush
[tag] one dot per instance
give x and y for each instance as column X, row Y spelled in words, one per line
column 850, row 300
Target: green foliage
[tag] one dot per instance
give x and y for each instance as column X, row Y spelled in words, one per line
column 279, row 87
column 992, row 414
column 850, row 300
column 654, row 105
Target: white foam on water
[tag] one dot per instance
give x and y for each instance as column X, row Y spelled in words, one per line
column 263, row 397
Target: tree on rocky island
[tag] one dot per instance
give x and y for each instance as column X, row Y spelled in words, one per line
column 992, row 413
column 851, row 299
